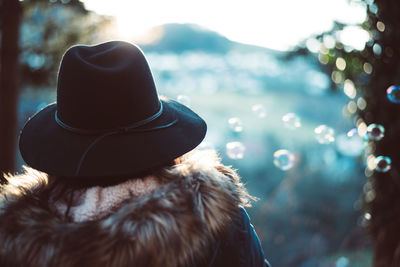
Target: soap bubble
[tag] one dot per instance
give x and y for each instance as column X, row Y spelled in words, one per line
column 375, row 132
column 383, row 163
column 350, row 144
column 324, row 134
column 393, row 94
column 235, row 124
column 259, row 110
column 283, row 159
column 235, row 150
column 183, row 99
column 291, row 121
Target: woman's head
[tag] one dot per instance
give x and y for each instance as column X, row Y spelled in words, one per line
column 108, row 120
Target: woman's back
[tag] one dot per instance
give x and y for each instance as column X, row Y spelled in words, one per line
column 117, row 186
column 191, row 216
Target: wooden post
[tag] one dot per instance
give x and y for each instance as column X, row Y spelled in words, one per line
column 10, row 15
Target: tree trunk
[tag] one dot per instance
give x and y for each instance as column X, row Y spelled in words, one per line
column 11, row 12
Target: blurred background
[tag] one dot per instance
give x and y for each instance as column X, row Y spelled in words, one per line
column 301, row 97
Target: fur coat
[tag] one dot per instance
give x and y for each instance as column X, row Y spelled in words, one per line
column 186, row 221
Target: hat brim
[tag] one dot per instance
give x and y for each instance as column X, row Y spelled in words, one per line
column 48, row 147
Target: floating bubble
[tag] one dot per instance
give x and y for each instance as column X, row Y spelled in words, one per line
column 375, row 132
column 350, row 144
column 291, row 121
column 235, row 124
column 183, row 99
column 259, row 110
column 383, row 163
column 283, row 159
column 235, row 150
column 324, row 134
column 393, row 94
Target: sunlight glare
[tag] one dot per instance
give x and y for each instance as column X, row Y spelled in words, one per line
column 275, row 24
column 354, row 36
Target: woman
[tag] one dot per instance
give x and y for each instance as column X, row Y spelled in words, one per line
column 114, row 180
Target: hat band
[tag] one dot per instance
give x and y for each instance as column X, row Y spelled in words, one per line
column 128, row 128
column 108, row 132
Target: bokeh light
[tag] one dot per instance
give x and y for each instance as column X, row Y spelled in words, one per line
column 324, row 59
column 340, row 63
column 313, row 45
column 371, row 162
column 337, row 77
column 367, row 68
column 380, row 26
column 354, row 37
column 349, row 89
column 361, row 103
column 352, row 107
column 377, row 49
column 362, row 128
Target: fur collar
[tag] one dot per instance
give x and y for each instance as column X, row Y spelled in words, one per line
column 173, row 225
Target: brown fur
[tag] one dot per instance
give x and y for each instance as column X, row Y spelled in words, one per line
column 173, row 226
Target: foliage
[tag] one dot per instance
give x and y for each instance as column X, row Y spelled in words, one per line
column 372, row 70
column 47, row 30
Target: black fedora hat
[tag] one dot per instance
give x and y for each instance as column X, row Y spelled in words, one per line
column 108, row 119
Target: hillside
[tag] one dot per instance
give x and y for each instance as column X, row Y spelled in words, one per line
column 178, row 38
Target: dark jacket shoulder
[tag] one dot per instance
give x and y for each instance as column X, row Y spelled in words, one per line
column 239, row 246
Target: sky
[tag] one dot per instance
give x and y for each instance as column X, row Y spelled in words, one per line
column 276, row 24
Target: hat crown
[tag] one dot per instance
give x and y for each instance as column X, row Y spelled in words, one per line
column 105, row 86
